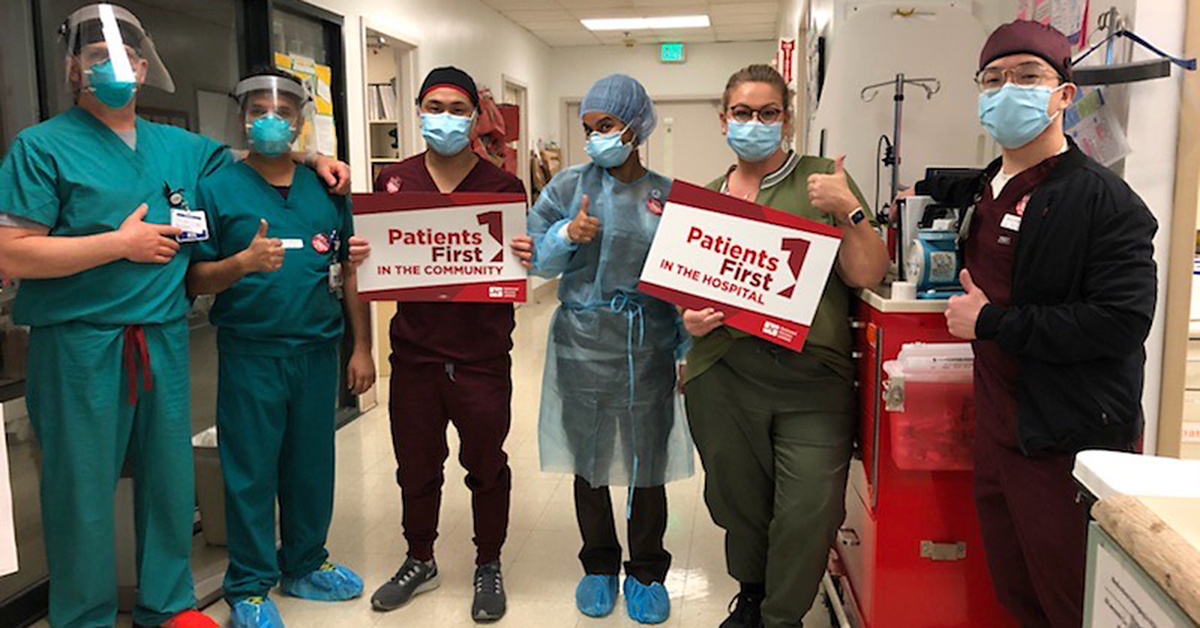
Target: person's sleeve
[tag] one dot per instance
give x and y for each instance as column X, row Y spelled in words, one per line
column 29, row 184
column 552, row 250
column 344, row 206
column 1119, row 288
column 210, row 249
column 213, row 156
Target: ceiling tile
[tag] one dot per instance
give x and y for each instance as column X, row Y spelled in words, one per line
column 770, row 9
column 577, row 5
column 597, row 13
column 522, row 5
column 741, row 19
column 682, row 9
column 567, row 38
column 658, row 4
column 546, row 15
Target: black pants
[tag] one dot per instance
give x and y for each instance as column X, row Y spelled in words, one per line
column 648, row 561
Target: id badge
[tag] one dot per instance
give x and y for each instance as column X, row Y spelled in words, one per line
column 336, row 281
column 1012, row 222
column 192, row 223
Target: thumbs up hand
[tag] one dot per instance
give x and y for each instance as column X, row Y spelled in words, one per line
column 583, row 228
column 963, row 311
column 263, row 254
column 830, row 193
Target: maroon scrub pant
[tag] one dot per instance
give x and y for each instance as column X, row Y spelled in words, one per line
column 476, row 397
column 1034, row 533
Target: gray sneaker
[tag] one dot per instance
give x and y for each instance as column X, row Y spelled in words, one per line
column 489, row 602
column 413, row 578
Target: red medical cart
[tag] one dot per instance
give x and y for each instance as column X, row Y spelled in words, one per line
column 909, row 554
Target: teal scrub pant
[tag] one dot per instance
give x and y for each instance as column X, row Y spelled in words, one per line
column 78, row 393
column 275, row 428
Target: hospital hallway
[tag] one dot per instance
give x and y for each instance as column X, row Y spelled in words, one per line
column 540, row 564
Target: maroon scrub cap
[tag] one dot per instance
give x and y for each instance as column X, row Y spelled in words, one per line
column 1028, row 37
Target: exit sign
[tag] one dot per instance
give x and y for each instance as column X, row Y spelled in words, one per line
column 673, row 53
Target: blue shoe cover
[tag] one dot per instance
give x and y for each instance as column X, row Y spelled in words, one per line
column 255, row 612
column 329, row 583
column 647, row 604
column 596, row 595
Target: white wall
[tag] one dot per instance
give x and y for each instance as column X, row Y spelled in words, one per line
column 708, row 66
column 464, row 33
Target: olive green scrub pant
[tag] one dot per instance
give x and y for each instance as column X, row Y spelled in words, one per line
column 775, row 431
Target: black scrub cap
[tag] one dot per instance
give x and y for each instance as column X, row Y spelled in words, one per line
column 452, row 77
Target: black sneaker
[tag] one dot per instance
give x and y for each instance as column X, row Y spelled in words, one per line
column 415, row 577
column 490, row 601
column 745, row 611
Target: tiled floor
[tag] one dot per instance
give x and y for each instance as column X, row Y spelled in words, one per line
column 540, row 565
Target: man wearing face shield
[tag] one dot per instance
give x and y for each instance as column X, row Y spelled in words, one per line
column 275, row 259
column 1061, row 284
column 450, row 363
column 609, row 412
column 98, row 221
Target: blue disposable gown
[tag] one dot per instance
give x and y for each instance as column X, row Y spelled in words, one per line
column 610, row 411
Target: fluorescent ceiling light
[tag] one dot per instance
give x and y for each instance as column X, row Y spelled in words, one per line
column 646, row 23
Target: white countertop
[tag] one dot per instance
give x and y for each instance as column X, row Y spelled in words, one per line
column 880, row 298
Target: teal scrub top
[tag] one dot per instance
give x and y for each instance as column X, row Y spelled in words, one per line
column 76, row 176
column 292, row 310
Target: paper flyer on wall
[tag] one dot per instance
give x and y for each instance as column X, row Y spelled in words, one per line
column 8, row 531
column 1094, row 126
column 318, row 79
column 1068, row 16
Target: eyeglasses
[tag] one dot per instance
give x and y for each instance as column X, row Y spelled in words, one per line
column 1024, row 75
column 767, row 115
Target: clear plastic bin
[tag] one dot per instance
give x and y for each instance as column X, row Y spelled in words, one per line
column 931, row 402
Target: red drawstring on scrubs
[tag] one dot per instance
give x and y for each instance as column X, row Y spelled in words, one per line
column 135, row 348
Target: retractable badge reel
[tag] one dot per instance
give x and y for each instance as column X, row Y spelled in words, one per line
column 336, row 280
column 193, row 224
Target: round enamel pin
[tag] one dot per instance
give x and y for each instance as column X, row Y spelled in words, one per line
column 320, row 243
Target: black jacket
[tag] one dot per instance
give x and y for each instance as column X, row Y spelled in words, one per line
column 1083, row 297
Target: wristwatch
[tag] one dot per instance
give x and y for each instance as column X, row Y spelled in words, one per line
column 856, row 216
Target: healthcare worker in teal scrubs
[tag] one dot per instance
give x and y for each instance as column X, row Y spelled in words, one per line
column 274, row 259
column 97, row 221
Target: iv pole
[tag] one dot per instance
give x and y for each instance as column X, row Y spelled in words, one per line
column 868, row 94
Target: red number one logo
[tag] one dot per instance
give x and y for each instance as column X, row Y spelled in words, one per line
column 495, row 224
column 797, row 250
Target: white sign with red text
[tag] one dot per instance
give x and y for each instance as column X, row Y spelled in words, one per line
column 441, row 247
column 764, row 269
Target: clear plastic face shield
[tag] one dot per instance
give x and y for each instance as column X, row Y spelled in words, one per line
column 273, row 111
column 109, row 55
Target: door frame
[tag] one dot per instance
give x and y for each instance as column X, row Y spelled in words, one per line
column 406, row 61
column 1182, row 255
column 524, row 145
column 564, row 107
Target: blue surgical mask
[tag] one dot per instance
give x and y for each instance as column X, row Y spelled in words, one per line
column 754, row 141
column 1016, row 115
column 607, row 150
column 270, row 135
column 446, row 133
column 102, row 80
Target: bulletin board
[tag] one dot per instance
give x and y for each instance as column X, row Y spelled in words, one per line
column 319, row 135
